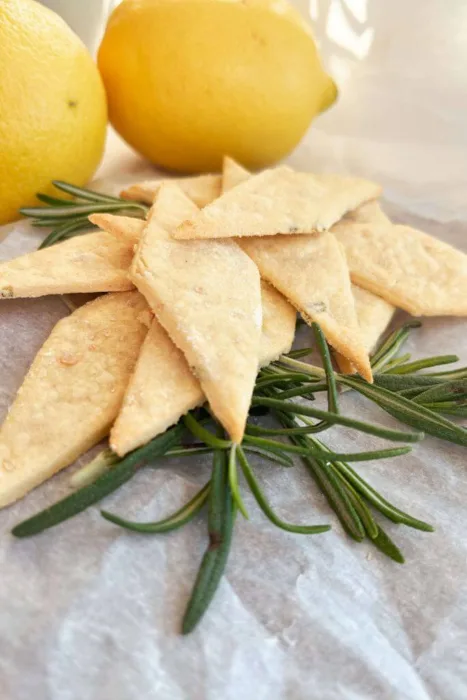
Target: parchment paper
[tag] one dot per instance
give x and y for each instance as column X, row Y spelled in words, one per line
column 88, row 612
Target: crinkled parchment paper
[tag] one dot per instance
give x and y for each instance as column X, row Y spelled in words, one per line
column 88, row 612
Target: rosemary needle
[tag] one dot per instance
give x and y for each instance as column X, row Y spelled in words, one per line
column 407, row 411
column 417, row 365
column 233, row 481
column 380, row 503
column 384, row 543
column 266, row 508
column 205, row 435
column 337, row 497
column 83, row 193
column 102, row 486
column 221, row 519
column 396, row 382
column 319, row 453
column 261, row 432
column 334, row 418
column 173, row 522
column 333, row 401
column 102, row 462
column 447, row 391
column 274, row 455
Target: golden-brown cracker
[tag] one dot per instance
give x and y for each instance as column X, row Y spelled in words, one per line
column 161, row 390
column 72, row 392
column 279, row 201
column 406, row 267
column 95, row 262
column 311, row 272
column 206, row 294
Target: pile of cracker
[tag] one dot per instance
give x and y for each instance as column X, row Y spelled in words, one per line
column 202, row 294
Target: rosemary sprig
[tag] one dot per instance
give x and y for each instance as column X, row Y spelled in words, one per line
column 70, row 218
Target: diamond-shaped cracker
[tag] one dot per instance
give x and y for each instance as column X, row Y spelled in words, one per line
column 206, row 294
column 279, row 201
column 72, row 392
column 163, row 388
column 201, row 189
column 407, row 267
column 96, row 262
column 311, row 272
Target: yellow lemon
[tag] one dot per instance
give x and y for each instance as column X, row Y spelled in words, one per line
column 191, row 80
column 52, row 105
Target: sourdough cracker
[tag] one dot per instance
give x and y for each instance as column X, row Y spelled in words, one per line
column 201, row 189
column 95, row 262
column 406, row 267
column 279, row 201
column 125, row 228
column 207, row 296
column 163, row 388
column 311, row 272
column 72, row 392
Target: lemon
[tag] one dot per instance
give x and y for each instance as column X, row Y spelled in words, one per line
column 52, row 105
column 191, row 80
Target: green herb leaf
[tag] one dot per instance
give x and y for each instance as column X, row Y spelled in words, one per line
column 220, row 524
column 107, row 483
column 409, row 412
column 448, row 391
column 173, row 522
column 334, row 418
column 417, row 365
column 266, row 508
column 233, row 481
column 205, row 435
column 384, row 543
